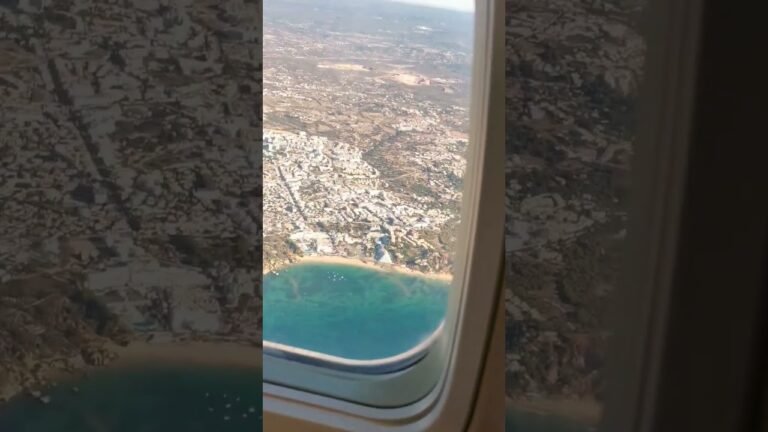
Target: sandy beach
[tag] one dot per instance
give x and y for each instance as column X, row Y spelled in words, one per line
column 358, row 262
column 584, row 412
column 189, row 353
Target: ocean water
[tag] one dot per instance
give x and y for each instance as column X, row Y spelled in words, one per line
column 349, row 311
column 154, row 399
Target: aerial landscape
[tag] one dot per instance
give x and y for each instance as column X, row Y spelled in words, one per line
column 365, row 129
column 573, row 69
column 130, row 189
column 365, row 133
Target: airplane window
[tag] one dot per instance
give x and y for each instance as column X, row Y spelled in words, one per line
column 366, row 129
column 573, row 69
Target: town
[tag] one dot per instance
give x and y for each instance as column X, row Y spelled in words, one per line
column 364, row 137
column 328, row 201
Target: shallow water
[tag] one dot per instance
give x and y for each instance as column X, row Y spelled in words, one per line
column 158, row 399
column 349, row 311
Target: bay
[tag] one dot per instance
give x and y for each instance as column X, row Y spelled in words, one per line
column 351, row 311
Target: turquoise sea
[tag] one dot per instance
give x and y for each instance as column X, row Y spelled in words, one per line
column 349, row 311
column 154, row 399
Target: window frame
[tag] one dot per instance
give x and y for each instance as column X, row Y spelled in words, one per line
column 418, row 397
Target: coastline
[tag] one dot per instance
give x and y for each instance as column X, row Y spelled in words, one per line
column 360, row 262
column 140, row 353
column 228, row 354
column 584, row 412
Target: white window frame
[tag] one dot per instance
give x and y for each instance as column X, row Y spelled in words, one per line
column 437, row 392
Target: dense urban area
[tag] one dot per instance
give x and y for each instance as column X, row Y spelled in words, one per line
column 573, row 69
column 366, row 123
column 130, row 169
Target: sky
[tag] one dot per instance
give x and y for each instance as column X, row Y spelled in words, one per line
column 461, row 5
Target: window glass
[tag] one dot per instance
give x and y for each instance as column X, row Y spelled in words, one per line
column 573, row 69
column 365, row 132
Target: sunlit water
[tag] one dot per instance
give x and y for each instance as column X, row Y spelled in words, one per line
column 349, row 311
column 167, row 399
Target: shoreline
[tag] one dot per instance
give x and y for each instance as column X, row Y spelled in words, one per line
column 139, row 354
column 583, row 412
column 363, row 263
column 195, row 353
